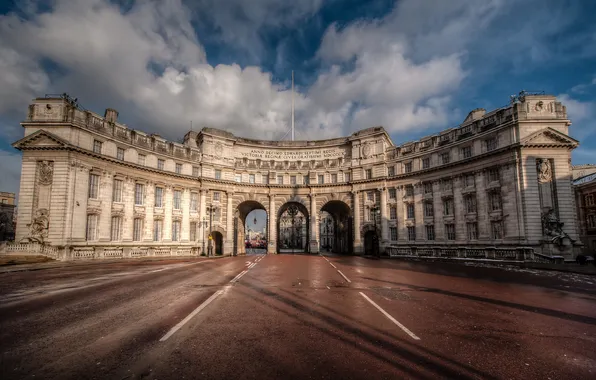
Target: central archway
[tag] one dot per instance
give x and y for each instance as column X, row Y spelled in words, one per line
column 293, row 234
column 336, row 233
column 241, row 225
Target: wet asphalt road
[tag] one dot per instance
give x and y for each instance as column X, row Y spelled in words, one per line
column 293, row 316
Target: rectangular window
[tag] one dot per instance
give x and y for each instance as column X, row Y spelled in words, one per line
column 472, row 231
column 177, row 199
column 265, row 178
column 469, row 180
column 446, row 185
column 195, row 171
column 408, row 167
column 430, row 232
column 470, row 201
column 428, row 188
column 216, row 196
column 280, row 179
column 411, row 233
column 496, row 229
column 116, row 228
column 97, row 146
column 160, row 164
column 251, row 178
column 450, row 231
column 495, row 201
column 193, row 231
column 305, row 180
column 347, row 177
column 139, row 194
column 368, row 173
column 137, row 229
column 445, row 158
column 120, row 154
column 448, row 207
column 194, row 201
column 370, row 196
column 393, row 233
column 321, row 179
column 176, row 230
column 493, row 175
column 178, row 168
column 491, row 144
column 466, row 152
column 391, row 171
column 93, row 186
column 157, row 230
column 238, row 178
column 333, row 178
column 292, row 180
column 217, row 174
column 409, row 190
column 591, row 221
column 428, row 209
column 410, row 211
column 425, row 163
column 158, row 197
column 590, row 200
column 392, row 213
column 372, row 215
column 392, row 193
column 117, row 191
column 91, row 234
column 141, row 159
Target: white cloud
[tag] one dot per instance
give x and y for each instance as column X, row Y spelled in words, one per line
column 582, row 114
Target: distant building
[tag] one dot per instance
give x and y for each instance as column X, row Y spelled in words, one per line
column 585, row 200
column 7, row 216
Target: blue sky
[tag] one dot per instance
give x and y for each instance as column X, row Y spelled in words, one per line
column 415, row 67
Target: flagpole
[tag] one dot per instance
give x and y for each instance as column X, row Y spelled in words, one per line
column 292, row 105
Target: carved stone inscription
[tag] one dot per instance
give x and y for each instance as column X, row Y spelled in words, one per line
column 313, row 154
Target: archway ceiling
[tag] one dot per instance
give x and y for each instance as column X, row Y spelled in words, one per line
column 246, row 207
column 337, row 208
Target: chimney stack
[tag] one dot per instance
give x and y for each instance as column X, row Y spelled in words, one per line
column 111, row 115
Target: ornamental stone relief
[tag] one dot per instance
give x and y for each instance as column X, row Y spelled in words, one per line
column 45, row 170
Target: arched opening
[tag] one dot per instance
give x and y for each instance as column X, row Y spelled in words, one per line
column 371, row 241
column 336, row 230
column 250, row 228
column 217, row 242
column 292, row 228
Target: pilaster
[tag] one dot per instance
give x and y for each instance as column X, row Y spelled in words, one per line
column 184, row 237
column 167, row 218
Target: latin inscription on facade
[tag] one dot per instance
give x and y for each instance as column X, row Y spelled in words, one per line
column 314, row 154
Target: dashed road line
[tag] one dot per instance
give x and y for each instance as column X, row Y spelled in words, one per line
column 189, row 316
column 344, row 276
column 404, row 328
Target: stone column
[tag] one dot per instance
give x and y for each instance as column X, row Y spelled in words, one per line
column 357, row 222
column 128, row 197
column 185, row 228
column 438, row 213
column 202, row 210
column 271, row 244
column 105, row 218
column 167, row 214
column 229, row 243
column 149, row 205
column 384, row 219
column 461, row 233
column 314, row 225
column 482, row 207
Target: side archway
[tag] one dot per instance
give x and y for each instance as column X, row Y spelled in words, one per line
column 240, row 225
column 336, row 228
column 371, row 240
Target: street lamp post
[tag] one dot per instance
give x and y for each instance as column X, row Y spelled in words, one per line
column 204, row 226
column 210, row 208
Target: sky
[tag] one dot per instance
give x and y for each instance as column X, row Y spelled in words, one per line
column 413, row 66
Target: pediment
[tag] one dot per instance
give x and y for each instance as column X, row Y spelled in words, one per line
column 41, row 140
column 549, row 137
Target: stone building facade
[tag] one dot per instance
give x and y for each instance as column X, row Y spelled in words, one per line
column 585, row 198
column 7, row 216
column 497, row 186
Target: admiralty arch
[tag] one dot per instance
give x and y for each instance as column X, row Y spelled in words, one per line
column 496, row 186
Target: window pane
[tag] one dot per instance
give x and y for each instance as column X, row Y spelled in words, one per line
column 93, row 186
column 91, row 227
column 137, row 229
column 158, row 197
column 120, row 153
column 160, row 164
column 117, row 191
column 142, row 159
column 139, row 194
column 177, row 199
column 115, row 231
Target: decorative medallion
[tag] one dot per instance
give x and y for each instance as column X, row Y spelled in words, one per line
column 218, row 150
column 366, row 150
column 46, row 172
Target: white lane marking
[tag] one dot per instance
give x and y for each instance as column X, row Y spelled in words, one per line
column 328, row 288
column 238, row 276
column 333, row 265
column 188, row 318
column 407, row 331
column 344, row 276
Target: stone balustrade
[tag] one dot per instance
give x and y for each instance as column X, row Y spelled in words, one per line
column 520, row 254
